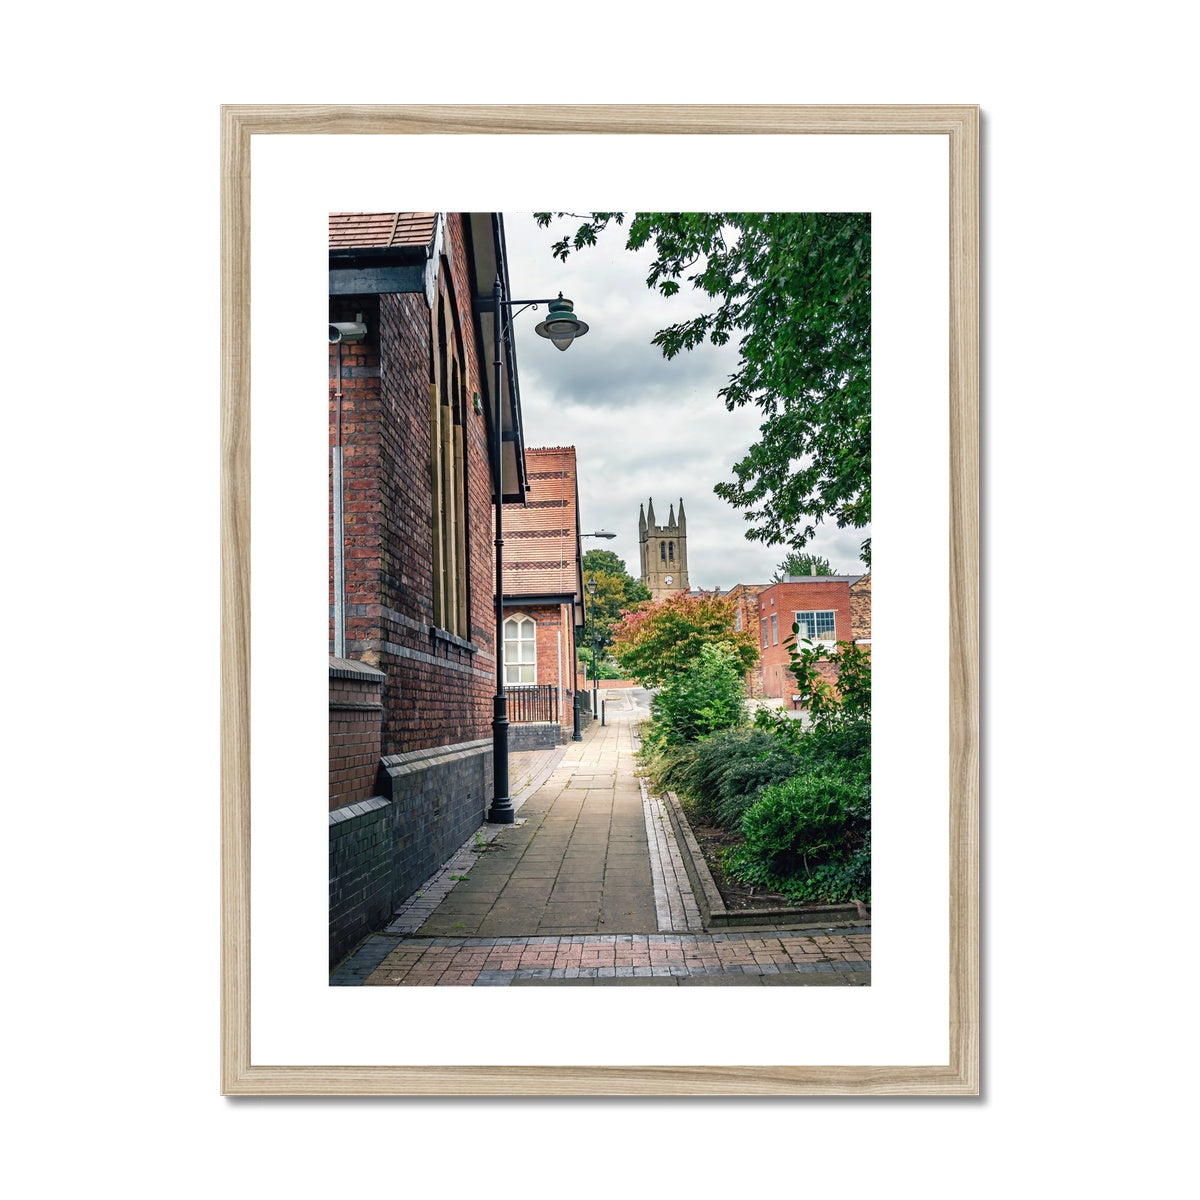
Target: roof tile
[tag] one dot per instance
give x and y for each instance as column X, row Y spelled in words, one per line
column 540, row 536
column 374, row 231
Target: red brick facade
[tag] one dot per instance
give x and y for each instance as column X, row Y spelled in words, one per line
column 542, row 568
column 555, row 644
column 777, row 605
column 745, row 599
column 355, row 719
column 439, row 687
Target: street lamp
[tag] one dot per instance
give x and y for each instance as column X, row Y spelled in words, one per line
column 577, row 735
column 562, row 327
column 591, row 587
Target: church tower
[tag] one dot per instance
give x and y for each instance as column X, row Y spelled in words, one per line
column 664, row 552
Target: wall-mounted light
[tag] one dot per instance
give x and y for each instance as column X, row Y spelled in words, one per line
column 561, row 326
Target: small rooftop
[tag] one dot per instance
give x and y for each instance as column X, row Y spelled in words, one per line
column 381, row 231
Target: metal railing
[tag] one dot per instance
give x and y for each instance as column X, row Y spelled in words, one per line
column 528, row 703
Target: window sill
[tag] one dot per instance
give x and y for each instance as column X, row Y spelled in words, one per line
column 451, row 639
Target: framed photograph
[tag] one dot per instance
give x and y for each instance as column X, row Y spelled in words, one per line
column 285, row 169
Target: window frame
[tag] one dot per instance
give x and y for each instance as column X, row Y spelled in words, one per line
column 518, row 619
column 448, row 482
column 816, row 635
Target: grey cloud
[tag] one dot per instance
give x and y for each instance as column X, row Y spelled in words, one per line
column 641, row 426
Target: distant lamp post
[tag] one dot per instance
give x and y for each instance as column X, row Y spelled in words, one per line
column 591, row 587
column 562, row 327
column 600, row 533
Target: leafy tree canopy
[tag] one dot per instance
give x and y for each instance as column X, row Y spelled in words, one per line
column 795, row 289
column 799, row 563
column 661, row 641
column 617, row 592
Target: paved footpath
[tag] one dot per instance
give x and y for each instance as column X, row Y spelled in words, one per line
column 586, row 888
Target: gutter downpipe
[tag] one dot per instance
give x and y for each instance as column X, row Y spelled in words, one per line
column 339, row 543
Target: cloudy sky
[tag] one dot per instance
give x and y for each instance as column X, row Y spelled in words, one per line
column 642, row 427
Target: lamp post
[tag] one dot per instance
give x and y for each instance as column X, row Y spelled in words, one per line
column 591, row 587
column 600, row 533
column 562, row 327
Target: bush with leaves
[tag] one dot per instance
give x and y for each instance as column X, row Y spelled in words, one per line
column 659, row 641
column 729, row 771
column 705, row 697
column 808, row 838
column 825, row 702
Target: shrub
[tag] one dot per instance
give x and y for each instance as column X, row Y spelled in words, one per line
column 809, row 838
column 729, row 771
column 667, row 764
column 705, row 697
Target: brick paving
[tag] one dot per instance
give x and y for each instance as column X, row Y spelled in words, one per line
column 587, row 888
column 798, row 958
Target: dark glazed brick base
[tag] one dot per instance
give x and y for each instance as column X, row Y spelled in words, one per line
column 381, row 850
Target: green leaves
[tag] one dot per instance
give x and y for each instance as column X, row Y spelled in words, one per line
column 704, row 698
column 795, row 289
column 662, row 640
column 617, row 592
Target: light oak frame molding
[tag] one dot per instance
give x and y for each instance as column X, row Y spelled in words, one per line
column 240, row 1076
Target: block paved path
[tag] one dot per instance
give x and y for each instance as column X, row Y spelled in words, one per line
column 586, row 888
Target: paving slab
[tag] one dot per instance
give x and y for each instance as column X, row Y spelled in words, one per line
column 586, row 889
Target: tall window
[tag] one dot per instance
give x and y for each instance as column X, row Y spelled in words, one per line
column 662, row 551
column 447, row 390
column 817, row 626
column 671, row 551
column 764, row 625
column 520, row 651
column 774, row 629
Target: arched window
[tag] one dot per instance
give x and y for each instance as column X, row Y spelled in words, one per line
column 671, row 551
column 520, row 651
column 662, row 551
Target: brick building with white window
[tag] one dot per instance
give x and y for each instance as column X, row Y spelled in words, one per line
column 820, row 604
column 543, row 600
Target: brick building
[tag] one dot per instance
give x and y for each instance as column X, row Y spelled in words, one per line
column 412, row 622
column 543, row 599
column 860, row 610
column 745, row 599
column 821, row 604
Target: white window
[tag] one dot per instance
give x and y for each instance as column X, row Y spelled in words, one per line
column 764, row 624
column 774, row 630
column 817, row 626
column 520, row 651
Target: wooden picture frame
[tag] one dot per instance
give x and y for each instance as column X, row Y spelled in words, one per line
column 240, row 1073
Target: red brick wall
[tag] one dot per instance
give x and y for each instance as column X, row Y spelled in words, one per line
column 438, row 690
column 552, row 620
column 354, row 731
column 745, row 599
column 824, row 592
